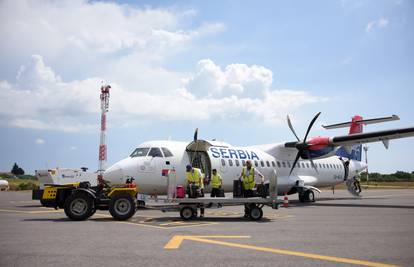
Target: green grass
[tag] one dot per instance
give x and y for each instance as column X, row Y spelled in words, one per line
column 21, row 182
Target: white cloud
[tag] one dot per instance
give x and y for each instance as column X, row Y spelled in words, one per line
column 39, row 141
column 53, row 104
column 85, row 42
column 73, row 148
column 380, row 23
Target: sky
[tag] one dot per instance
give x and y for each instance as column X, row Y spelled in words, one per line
column 234, row 69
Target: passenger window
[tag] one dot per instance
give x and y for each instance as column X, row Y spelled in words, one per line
column 155, row 152
column 140, row 152
column 262, row 163
column 273, row 164
column 223, row 162
column 298, row 165
column 278, row 164
column 256, row 163
column 230, row 162
column 288, row 164
column 320, row 166
column 267, row 163
column 303, row 165
column 307, row 165
column 243, row 162
column 283, row 164
column 237, row 162
column 167, row 152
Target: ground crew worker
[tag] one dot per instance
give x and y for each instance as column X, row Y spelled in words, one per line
column 248, row 179
column 248, row 183
column 195, row 177
column 216, row 183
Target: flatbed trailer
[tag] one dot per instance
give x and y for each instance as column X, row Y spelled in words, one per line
column 188, row 206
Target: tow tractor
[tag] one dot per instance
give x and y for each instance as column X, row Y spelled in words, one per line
column 80, row 200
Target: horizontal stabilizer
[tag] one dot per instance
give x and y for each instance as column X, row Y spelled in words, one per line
column 364, row 122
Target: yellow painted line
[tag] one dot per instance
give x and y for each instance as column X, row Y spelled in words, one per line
column 30, row 211
column 176, row 241
column 145, row 225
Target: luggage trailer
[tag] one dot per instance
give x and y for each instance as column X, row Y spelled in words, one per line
column 188, row 206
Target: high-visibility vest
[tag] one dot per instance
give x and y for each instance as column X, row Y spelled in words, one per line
column 194, row 177
column 248, row 181
column 215, row 181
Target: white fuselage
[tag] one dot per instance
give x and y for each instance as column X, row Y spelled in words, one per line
column 228, row 160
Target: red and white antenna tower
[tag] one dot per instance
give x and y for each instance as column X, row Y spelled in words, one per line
column 102, row 143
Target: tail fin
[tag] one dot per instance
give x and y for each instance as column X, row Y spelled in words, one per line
column 356, row 125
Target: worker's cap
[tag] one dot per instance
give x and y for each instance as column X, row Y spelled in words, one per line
column 188, row 167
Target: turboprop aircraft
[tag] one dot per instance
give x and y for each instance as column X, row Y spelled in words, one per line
column 301, row 166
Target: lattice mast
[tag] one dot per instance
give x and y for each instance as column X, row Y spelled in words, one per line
column 102, row 144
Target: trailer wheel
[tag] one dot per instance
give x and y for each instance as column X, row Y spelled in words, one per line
column 255, row 213
column 122, row 207
column 79, row 207
column 187, row 213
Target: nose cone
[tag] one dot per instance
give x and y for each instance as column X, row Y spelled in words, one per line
column 114, row 174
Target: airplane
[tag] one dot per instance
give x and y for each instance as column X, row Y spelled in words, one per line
column 301, row 166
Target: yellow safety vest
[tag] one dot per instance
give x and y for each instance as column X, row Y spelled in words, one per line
column 194, row 177
column 248, row 181
column 216, row 181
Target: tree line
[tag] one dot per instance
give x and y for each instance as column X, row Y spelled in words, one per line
column 399, row 176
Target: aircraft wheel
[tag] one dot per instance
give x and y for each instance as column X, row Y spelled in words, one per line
column 255, row 213
column 122, row 207
column 79, row 207
column 309, row 196
column 187, row 213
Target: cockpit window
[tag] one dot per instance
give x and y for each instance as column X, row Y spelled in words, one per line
column 140, row 152
column 167, row 152
column 155, row 152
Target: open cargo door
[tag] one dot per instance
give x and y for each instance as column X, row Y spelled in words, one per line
column 199, row 158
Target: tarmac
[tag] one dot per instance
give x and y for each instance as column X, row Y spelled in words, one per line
column 337, row 230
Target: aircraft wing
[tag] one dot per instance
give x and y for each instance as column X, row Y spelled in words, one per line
column 361, row 138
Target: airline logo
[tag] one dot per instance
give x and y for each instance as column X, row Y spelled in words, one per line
column 229, row 153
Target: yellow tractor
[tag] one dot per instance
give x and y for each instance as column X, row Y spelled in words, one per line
column 80, row 201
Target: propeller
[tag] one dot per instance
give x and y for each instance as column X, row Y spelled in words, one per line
column 302, row 146
column 195, row 134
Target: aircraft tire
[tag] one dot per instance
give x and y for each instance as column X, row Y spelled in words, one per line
column 309, row 196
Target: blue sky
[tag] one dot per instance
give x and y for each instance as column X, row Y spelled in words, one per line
column 232, row 68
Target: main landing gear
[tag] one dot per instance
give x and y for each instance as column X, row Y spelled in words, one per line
column 307, row 196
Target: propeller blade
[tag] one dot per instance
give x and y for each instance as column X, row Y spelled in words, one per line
column 312, row 163
column 291, row 127
column 296, row 160
column 310, row 126
column 195, row 134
